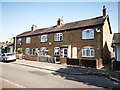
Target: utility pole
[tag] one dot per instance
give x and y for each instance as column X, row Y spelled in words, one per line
column 14, row 42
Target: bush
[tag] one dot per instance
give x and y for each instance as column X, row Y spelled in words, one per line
column 20, row 56
column 20, row 51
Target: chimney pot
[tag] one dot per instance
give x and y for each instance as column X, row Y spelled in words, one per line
column 104, row 11
column 34, row 27
column 59, row 21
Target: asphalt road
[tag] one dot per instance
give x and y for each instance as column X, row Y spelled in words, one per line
column 18, row 76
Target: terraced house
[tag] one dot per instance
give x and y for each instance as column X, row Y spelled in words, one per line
column 84, row 40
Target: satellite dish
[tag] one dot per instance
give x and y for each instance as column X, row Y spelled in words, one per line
column 97, row 30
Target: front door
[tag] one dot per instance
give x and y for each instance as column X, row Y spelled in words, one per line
column 64, row 52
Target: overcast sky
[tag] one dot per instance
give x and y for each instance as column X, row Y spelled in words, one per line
column 18, row 17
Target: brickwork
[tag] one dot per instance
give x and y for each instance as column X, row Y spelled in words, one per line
column 73, row 38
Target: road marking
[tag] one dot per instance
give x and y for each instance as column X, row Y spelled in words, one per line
column 13, row 83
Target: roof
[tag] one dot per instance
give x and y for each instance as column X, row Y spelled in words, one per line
column 68, row 26
column 116, row 38
column 6, row 44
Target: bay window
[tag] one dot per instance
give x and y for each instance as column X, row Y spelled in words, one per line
column 88, row 51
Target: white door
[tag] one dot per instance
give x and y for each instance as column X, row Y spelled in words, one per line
column 74, row 52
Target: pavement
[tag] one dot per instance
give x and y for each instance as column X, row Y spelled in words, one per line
column 71, row 70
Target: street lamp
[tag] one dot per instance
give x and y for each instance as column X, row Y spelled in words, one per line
column 14, row 42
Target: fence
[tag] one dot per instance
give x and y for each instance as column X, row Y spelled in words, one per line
column 73, row 61
column 94, row 63
column 116, row 65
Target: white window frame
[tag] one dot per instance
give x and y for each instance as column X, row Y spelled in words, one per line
column 88, row 34
column 28, row 39
column 27, row 51
column 19, row 41
column 63, row 52
column 57, row 50
column 44, row 38
column 87, row 49
column 57, row 37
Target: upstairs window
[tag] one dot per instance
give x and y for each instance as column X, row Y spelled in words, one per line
column 58, row 37
column 19, row 41
column 88, row 34
column 88, row 51
column 57, row 51
column 44, row 38
column 28, row 39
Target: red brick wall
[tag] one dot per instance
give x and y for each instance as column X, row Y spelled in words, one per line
column 71, row 37
column 63, row 60
column 100, row 63
column 30, row 57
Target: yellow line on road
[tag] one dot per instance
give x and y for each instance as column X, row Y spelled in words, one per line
column 13, row 83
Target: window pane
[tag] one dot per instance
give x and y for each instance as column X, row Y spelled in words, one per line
column 88, row 34
column 44, row 38
column 28, row 40
column 55, row 37
column 92, row 34
column 83, row 34
column 19, row 41
column 56, row 51
column 92, row 53
column 87, row 52
column 27, row 51
column 58, row 37
column 83, row 52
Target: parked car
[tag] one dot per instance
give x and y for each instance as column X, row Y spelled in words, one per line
column 7, row 57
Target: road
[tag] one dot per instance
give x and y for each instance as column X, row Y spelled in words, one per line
column 18, row 76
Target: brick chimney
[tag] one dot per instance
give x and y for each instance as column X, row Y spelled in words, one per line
column 104, row 11
column 34, row 27
column 60, row 21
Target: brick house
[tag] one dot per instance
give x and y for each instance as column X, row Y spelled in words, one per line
column 116, row 45
column 84, row 40
column 116, row 49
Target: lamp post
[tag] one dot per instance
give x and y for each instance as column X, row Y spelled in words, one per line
column 14, row 42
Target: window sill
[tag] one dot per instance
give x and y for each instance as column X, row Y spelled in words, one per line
column 88, row 56
column 43, row 42
column 88, row 39
column 57, row 55
column 19, row 44
column 59, row 41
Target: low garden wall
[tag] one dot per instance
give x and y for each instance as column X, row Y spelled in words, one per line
column 73, row 61
column 116, row 65
column 80, row 62
column 88, row 63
